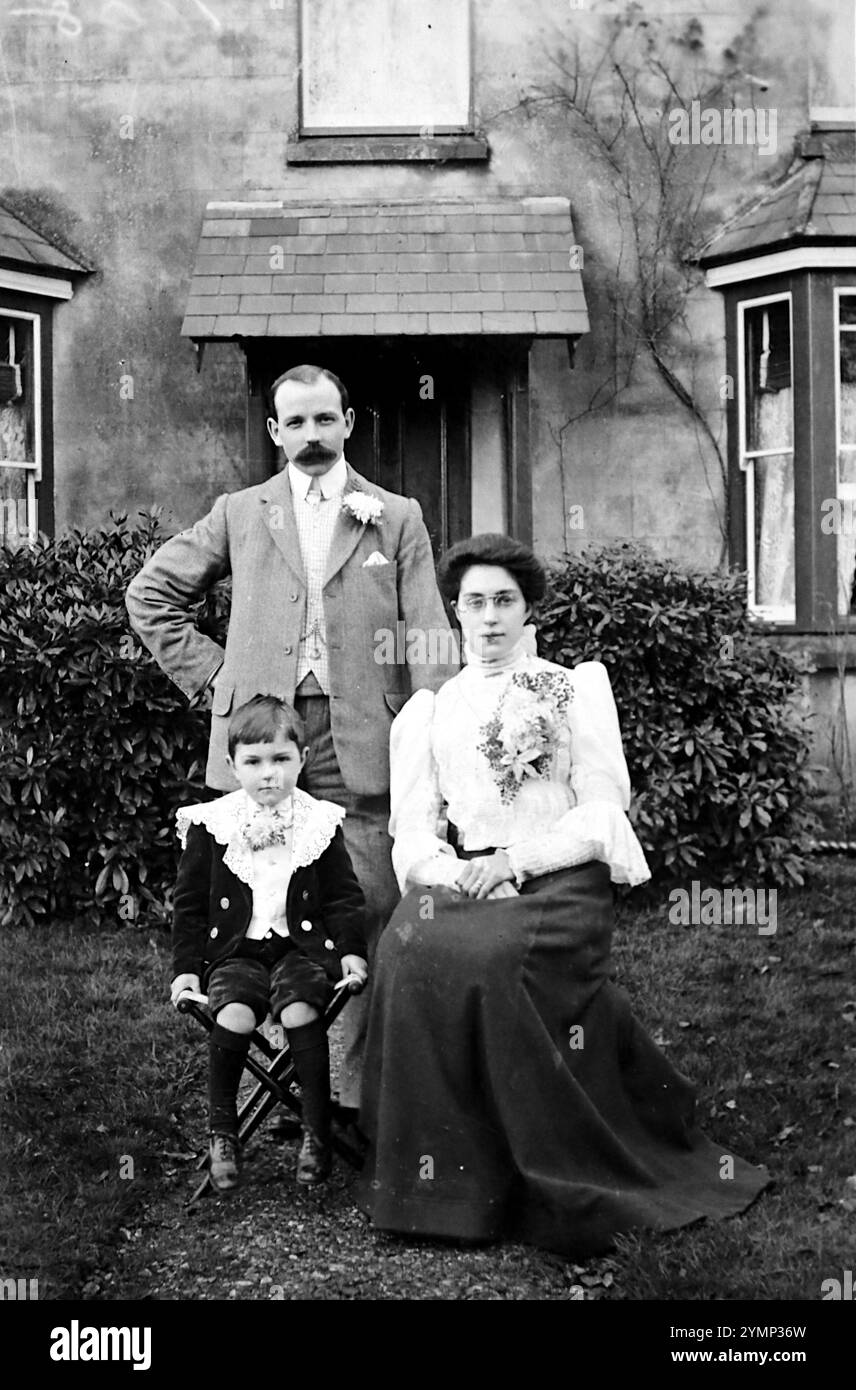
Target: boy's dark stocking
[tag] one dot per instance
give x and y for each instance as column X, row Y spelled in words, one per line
column 227, row 1053
column 311, row 1053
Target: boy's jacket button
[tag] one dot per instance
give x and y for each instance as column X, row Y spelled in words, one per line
column 329, row 945
column 306, row 926
column 213, row 931
column 224, row 902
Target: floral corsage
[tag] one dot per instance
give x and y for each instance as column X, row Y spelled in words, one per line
column 521, row 738
column 368, row 510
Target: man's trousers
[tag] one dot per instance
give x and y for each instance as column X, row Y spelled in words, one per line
column 366, row 832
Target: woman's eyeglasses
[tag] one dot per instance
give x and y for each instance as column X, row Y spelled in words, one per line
column 476, row 603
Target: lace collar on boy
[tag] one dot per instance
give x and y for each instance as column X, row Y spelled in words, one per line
column 239, row 823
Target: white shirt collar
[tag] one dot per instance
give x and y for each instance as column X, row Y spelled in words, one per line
column 332, row 482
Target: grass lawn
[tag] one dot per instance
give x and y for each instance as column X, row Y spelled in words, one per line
column 103, row 1090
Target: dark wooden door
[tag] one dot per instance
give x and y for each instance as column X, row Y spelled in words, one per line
column 411, row 399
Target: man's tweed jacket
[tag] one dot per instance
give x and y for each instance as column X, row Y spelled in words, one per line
column 252, row 536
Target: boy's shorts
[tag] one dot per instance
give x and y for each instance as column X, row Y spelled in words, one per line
column 267, row 976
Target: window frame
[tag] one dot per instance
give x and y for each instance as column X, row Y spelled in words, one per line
column 747, row 457
column 18, row 304
column 841, row 292
column 305, row 132
column 844, row 492
column 811, row 276
column 32, row 469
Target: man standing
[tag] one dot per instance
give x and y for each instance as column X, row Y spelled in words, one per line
column 323, row 565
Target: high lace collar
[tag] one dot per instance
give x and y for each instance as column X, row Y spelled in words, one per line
column 231, row 819
column 516, row 660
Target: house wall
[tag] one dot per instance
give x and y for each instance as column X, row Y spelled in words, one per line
column 125, row 118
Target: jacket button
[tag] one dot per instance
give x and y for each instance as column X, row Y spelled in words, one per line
column 305, row 894
column 329, row 945
column 224, row 902
column 306, row 926
column 213, row 931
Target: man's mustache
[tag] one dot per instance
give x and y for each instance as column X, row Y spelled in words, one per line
column 313, row 452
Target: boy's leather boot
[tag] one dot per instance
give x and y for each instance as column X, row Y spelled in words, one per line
column 223, row 1154
column 311, row 1053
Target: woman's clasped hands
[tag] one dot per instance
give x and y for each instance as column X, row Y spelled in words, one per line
column 488, row 876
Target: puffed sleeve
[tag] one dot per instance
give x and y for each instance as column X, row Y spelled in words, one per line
column 420, row 853
column 596, row 827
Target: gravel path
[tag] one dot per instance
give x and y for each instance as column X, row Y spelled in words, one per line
column 273, row 1240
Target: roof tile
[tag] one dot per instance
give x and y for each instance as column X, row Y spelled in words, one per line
column 213, row 304
column 401, row 284
column 226, row 227
column 19, row 242
column 348, row 284
column 480, row 301
column 508, row 322
column 430, row 303
column 293, row 325
column 297, row 284
column 266, row 304
column 428, row 261
column 401, row 323
column 348, row 241
column 455, row 323
column 319, row 304
column 233, row 284
column 455, row 281
column 347, row 323
column 395, row 268
column 240, row 325
column 371, row 303
column 323, row 224
column 392, row 242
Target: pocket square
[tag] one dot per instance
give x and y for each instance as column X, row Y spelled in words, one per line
column 375, row 559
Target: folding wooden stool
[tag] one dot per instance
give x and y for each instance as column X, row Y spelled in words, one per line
column 275, row 1085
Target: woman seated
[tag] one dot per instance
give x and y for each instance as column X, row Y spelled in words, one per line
column 508, row 1089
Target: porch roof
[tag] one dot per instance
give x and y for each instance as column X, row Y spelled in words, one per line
column 282, row 269
column 813, row 204
column 23, row 247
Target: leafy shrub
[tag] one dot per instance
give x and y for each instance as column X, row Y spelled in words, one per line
column 97, row 746
column 715, row 745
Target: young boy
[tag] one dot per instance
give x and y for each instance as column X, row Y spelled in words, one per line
column 268, row 915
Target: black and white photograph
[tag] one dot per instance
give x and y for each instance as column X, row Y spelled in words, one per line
column 428, row 666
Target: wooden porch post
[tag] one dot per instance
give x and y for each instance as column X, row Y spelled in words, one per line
column 517, row 442
column 260, row 451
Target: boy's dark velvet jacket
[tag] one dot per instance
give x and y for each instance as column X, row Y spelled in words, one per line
column 325, row 907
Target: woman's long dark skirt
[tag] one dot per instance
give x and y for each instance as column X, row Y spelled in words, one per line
column 508, row 1089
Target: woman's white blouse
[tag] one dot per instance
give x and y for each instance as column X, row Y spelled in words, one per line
column 576, row 813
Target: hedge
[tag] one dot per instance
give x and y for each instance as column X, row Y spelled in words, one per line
column 716, row 743
column 98, row 747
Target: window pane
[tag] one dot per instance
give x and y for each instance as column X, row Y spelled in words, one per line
column 385, row 64
column 848, row 308
column 847, row 467
column 17, row 442
column 847, row 560
column 768, row 388
column 14, row 518
column 847, row 392
column 774, row 532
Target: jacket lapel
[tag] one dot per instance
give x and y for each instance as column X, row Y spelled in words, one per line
column 348, row 532
column 278, row 512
